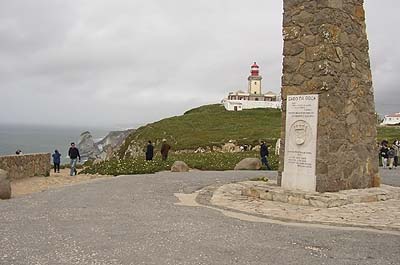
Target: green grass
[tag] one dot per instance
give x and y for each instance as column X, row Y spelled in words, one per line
column 202, row 161
column 390, row 133
column 212, row 125
column 209, row 125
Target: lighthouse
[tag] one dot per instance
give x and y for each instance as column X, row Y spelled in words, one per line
column 254, row 80
column 253, row 98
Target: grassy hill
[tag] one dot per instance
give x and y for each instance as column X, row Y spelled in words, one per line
column 213, row 125
column 210, row 125
column 201, row 127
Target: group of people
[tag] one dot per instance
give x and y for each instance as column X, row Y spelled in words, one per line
column 164, row 150
column 74, row 156
column 389, row 154
column 166, row 147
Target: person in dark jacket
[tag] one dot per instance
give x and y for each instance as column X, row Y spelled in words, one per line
column 384, row 154
column 264, row 154
column 396, row 153
column 165, row 149
column 391, row 155
column 73, row 154
column 56, row 161
column 149, row 151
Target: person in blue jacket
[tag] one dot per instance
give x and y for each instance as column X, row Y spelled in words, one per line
column 56, row 161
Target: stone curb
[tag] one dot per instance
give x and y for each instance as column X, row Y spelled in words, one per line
column 225, row 198
column 271, row 192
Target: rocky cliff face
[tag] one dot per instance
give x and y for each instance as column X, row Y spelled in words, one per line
column 87, row 147
column 112, row 142
column 103, row 149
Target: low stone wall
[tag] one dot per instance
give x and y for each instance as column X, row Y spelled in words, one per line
column 26, row 165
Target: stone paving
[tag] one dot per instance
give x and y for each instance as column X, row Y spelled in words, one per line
column 383, row 215
column 272, row 192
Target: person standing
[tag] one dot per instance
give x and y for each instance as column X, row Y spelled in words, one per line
column 165, row 149
column 391, row 155
column 384, row 154
column 397, row 153
column 73, row 154
column 56, row 161
column 264, row 155
column 149, row 151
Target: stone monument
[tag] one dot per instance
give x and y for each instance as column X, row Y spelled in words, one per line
column 329, row 126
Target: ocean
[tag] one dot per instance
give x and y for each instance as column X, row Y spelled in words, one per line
column 37, row 139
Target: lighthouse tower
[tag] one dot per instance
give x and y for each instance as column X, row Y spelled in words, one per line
column 255, row 80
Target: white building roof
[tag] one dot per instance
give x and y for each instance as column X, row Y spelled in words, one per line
column 394, row 115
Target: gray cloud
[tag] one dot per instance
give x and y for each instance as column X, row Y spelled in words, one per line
column 127, row 62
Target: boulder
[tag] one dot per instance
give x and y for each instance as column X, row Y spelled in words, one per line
column 216, row 149
column 199, row 150
column 179, row 166
column 5, row 187
column 249, row 164
column 229, row 148
column 256, row 148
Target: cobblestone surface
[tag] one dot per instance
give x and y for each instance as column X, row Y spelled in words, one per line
column 381, row 215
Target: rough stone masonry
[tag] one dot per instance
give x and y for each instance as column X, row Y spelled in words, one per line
column 326, row 53
column 26, row 165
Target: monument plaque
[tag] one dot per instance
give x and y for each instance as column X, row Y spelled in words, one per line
column 301, row 142
column 326, row 53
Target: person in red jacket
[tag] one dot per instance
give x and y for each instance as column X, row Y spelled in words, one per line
column 165, row 149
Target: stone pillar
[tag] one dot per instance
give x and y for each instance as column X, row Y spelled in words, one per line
column 326, row 54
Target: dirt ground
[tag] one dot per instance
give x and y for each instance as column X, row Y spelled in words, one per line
column 37, row 184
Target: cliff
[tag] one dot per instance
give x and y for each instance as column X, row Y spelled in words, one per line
column 91, row 150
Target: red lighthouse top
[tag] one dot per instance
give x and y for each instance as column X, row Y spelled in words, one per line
column 254, row 69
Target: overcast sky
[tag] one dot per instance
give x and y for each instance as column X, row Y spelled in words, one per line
column 122, row 63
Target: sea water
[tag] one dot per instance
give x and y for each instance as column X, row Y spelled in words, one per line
column 38, row 139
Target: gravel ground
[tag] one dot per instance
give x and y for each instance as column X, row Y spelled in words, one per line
column 135, row 220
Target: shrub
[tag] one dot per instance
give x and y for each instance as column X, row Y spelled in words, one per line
column 202, row 161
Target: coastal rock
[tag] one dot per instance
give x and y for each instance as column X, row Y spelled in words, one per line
column 179, row 166
column 134, row 150
column 249, row 164
column 5, row 187
column 113, row 140
column 87, row 148
column 105, row 148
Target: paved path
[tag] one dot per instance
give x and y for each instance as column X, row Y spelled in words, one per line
column 135, row 220
column 390, row 176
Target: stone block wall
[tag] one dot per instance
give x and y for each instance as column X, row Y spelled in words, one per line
column 326, row 53
column 26, row 165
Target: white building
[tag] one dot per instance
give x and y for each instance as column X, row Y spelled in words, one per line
column 392, row 119
column 253, row 98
